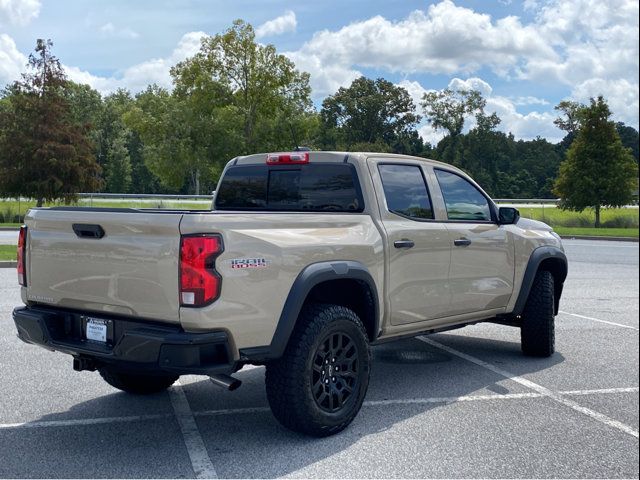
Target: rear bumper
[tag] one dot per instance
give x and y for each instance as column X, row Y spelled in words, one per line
column 132, row 344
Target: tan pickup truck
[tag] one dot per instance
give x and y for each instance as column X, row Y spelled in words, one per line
column 305, row 261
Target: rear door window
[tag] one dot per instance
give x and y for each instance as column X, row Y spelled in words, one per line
column 305, row 188
column 406, row 191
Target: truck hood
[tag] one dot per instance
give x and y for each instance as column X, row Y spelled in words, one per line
column 529, row 224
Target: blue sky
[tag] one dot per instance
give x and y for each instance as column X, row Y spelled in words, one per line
column 524, row 56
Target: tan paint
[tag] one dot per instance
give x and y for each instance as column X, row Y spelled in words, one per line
column 133, row 270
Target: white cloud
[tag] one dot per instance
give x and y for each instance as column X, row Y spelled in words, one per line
column 598, row 45
column 137, row 77
column 19, row 12
column 523, row 126
column 111, row 31
column 620, row 94
column 277, row 26
column 473, row 83
column 415, row 89
column 528, row 100
column 12, row 61
column 444, row 39
column 583, row 45
column 325, row 78
column 430, row 135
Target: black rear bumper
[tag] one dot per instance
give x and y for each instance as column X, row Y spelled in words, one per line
column 132, row 345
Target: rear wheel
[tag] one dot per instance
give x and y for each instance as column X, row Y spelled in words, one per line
column 537, row 331
column 319, row 384
column 136, row 383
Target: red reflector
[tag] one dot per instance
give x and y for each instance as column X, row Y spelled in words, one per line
column 199, row 281
column 22, row 245
column 294, row 158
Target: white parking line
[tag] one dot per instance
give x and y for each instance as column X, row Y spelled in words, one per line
column 200, row 461
column 84, row 421
column 536, row 387
column 369, row 403
column 598, row 320
column 603, row 390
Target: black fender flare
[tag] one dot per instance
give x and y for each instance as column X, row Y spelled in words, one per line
column 538, row 256
column 308, row 278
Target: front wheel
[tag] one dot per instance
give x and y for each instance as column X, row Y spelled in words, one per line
column 319, row 384
column 537, row 331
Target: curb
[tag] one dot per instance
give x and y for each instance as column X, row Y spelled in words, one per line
column 9, row 229
column 8, row 264
column 591, row 237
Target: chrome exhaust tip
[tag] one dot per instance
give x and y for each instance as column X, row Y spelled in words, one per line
column 225, row 381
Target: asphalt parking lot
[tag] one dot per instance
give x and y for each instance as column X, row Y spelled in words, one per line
column 460, row 404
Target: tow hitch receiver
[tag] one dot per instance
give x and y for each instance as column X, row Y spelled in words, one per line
column 80, row 364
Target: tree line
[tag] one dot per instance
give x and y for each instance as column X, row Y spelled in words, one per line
column 236, row 96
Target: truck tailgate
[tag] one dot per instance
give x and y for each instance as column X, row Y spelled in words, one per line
column 132, row 270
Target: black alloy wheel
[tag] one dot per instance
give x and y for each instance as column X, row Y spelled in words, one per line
column 335, row 372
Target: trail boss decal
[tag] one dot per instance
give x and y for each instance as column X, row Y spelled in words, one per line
column 246, row 263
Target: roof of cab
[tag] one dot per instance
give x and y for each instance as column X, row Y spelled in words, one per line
column 337, row 157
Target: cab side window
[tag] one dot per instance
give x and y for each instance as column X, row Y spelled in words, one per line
column 406, row 191
column 462, row 199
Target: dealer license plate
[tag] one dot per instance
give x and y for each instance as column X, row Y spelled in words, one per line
column 96, row 330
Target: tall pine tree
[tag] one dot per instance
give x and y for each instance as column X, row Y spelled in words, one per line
column 44, row 153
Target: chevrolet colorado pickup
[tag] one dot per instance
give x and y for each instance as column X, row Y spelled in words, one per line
column 305, row 261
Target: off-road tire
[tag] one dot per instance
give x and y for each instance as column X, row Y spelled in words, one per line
column 135, row 383
column 290, row 379
column 537, row 330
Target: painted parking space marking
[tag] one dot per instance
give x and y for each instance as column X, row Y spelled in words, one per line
column 85, row 421
column 200, row 461
column 598, row 320
column 600, row 417
column 369, row 403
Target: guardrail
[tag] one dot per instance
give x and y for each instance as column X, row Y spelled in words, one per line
column 141, row 196
column 542, row 201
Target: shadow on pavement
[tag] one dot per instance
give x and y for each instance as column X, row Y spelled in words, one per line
column 254, row 445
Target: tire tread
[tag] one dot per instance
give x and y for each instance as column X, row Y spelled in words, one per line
column 537, row 331
column 283, row 376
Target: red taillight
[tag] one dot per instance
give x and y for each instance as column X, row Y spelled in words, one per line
column 294, row 158
column 22, row 245
column 199, row 281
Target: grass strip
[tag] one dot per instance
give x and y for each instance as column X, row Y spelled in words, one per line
column 7, row 252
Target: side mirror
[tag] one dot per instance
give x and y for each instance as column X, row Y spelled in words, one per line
column 508, row 216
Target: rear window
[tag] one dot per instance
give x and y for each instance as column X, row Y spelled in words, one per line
column 299, row 188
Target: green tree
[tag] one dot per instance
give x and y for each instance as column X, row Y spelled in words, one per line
column 44, row 152
column 110, row 130
column 118, row 167
column 167, row 137
column 598, row 171
column 368, row 112
column 572, row 114
column 447, row 109
column 249, row 84
column 629, row 137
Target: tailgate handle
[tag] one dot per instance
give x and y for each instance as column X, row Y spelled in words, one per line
column 85, row 230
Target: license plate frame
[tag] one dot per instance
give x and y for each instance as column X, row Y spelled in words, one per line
column 97, row 330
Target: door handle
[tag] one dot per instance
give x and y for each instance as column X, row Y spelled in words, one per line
column 462, row 242
column 404, row 243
